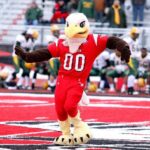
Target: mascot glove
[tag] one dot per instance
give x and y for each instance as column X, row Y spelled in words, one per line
column 125, row 51
column 19, row 51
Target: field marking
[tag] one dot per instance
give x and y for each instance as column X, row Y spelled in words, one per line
column 12, row 101
column 117, row 106
column 21, row 134
column 127, row 98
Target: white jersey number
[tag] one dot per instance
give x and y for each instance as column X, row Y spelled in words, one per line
column 79, row 62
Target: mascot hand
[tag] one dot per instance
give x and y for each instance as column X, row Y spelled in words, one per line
column 19, row 51
column 125, row 52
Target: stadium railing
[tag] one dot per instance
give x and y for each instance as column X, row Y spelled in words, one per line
column 9, row 32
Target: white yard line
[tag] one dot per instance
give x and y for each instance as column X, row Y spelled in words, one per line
column 117, row 106
column 13, row 101
column 127, row 98
column 21, row 134
column 27, row 94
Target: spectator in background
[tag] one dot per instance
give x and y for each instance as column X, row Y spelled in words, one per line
column 33, row 15
column 39, row 68
column 143, row 71
column 86, row 7
column 109, row 3
column 43, row 3
column 99, row 9
column 60, row 12
column 66, row 1
column 138, row 11
column 116, row 16
column 53, row 64
column 117, row 69
column 100, row 66
column 133, row 40
column 27, row 41
column 122, row 3
column 72, row 6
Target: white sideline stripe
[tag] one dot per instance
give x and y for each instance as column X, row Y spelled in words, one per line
column 38, row 105
column 26, row 105
column 21, row 134
column 119, row 98
column 27, row 94
column 127, row 98
column 117, row 106
column 12, row 101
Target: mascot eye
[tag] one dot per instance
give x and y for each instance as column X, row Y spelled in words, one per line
column 82, row 24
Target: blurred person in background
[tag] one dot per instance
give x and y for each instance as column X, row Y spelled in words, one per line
column 132, row 40
column 72, row 6
column 40, row 68
column 118, row 68
column 54, row 34
column 138, row 11
column 27, row 41
column 99, row 6
column 87, row 8
column 66, row 1
column 51, row 68
column 143, row 71
column 109, row 3
column 33, row 15
column 54, row 63
column 116, row 16
column 43, row 3
column 99, row 68
column 60, row 12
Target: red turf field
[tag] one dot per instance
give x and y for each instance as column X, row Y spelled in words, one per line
column 28, row 121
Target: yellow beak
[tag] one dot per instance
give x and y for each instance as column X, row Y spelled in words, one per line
column 75, row 31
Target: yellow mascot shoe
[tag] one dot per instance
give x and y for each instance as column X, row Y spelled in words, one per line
column 82, row 133
column 66, row 138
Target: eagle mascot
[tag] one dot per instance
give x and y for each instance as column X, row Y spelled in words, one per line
column 77, row 52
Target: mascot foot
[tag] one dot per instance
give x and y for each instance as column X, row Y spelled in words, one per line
column 64, row 140
column 82, row 133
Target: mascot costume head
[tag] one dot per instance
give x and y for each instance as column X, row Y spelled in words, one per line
column 76, row 31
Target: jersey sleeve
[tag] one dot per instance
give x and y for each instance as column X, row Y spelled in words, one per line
column 102, row 42
column 53, row 49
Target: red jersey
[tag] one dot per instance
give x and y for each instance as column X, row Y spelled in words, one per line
column 78, row 64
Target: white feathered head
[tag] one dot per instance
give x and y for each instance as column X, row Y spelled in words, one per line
column 77, row 26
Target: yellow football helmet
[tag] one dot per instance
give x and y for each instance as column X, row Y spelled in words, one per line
column 141, row 82
column 54, row 27
column 92, row 87
column 29, row 65
column 35, row 34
